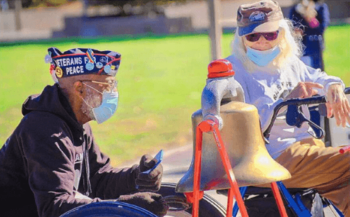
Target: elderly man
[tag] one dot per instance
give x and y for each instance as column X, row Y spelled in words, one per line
column 267, row 65
column 51, row 163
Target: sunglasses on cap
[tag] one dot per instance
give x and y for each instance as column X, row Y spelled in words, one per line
column 270, row 36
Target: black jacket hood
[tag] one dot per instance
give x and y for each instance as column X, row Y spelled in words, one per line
column 53, row 101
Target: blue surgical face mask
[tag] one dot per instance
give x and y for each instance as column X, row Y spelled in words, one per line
column 108, row 106
column 262, row 58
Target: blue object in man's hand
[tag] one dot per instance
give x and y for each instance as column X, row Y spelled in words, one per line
column 150, row 173
column 159, row 158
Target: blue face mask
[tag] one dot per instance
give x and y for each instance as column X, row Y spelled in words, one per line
column 262, row 58
column 108, row 106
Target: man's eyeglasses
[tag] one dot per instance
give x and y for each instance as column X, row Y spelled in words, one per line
column 108, row 86
column 270, row 36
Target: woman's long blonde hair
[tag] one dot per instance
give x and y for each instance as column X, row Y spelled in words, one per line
column 289, row 44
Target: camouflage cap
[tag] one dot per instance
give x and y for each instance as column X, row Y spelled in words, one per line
column 262, row 16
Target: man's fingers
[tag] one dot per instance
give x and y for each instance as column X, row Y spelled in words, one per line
column 341, row 109
column 302, row 90
column 309, row 89
column 338, row 104
column 347, row 111
column 312, row 88
column 154, row 175
column 147, row 184
column 147, row 162
column 347, row 106
column 151, row 163
column 348, row 119
column 337, row 115
column 313, row 85
column 314, row 92
column 343, row 113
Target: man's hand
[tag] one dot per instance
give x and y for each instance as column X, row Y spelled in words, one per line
column 151, row 181
column 150, row 201
column 338, row 105
column 304, row 90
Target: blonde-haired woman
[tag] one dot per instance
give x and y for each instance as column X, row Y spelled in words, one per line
column 267, row 65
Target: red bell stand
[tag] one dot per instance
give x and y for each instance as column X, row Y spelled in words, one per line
column 278, row 198
column 196, row 195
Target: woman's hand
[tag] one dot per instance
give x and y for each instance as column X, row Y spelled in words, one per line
column 304, row 90
column 338, row 105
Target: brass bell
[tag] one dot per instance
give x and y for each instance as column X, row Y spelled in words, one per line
column 243, row 139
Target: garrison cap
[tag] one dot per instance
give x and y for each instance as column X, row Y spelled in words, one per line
column 262, row 16
column 82, row 61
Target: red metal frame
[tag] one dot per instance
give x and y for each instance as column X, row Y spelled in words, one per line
column 196, row 195
column 206, row 126
column 278, row 198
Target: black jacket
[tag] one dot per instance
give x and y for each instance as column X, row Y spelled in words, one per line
column 44, row 162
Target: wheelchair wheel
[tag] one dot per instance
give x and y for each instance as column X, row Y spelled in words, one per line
column 208, row 207
column 108, row 209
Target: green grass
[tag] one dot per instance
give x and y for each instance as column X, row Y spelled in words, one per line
column 337, row 52
column 160, row 84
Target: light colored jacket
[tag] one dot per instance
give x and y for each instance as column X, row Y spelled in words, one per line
column 266, row 87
